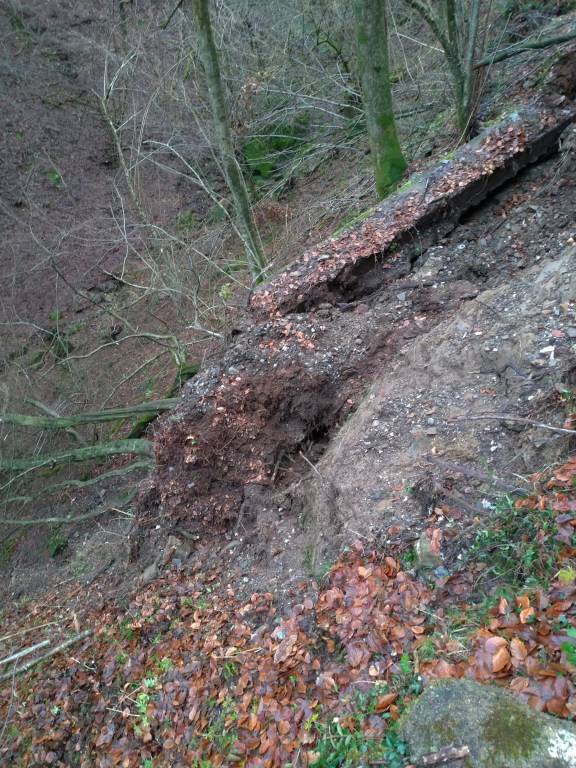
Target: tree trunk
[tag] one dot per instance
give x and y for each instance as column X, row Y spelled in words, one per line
column 232, row 171
column 459, row 49
column 372, row 46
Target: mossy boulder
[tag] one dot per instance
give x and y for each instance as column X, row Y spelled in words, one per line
column 498, row 729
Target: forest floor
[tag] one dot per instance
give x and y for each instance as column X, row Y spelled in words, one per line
column 378, row 503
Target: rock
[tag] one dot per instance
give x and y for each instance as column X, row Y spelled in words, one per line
column 427, row 558
column 149, row 574
column 175, row 549
column 420, row 444
column 498, row 729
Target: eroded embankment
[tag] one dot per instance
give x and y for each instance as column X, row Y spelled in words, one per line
column 253, row 421
column 385, row 244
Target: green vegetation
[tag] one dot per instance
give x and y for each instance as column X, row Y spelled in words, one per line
column 221, row 730
column 352, row 219
column 57, row 543
column 518, row 548
column 54, row 177
column 142, row 701
column 345, row 741
column 270, row 154
column 408, row 559
column 187, row 222
column 6, row 551
column 229, row 670
column 216, row 214
column 570, row 648
column 17, row 18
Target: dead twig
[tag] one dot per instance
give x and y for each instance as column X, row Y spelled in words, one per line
column 443, row 756
column 518, row 419
column 11, row 706
column 68, row 520
column 24, row 652
column 25, row 631
column 479, row 474
column 51, row 652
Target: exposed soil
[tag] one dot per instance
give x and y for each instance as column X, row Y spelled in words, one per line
column 389, row 387
column 482, row 321
column 309, row 428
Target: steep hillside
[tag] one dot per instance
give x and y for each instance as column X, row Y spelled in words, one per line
column 360, row 476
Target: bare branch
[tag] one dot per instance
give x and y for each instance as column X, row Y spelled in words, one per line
column 51, row 652
column 518, row 419
column 529, row 45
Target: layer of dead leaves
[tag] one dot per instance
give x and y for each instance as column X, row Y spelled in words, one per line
column 443, row 192
column 528, row 643
column 190, row 672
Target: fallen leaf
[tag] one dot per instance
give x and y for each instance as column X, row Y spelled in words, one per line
column 518, row 649
column 283, row 727
column 385, row 701
column 500, row 660
column 527, row 614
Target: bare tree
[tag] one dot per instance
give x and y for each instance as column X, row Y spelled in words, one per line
column 455, row 24
column 223, row 136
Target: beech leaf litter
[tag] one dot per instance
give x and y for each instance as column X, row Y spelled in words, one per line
column 191, row 674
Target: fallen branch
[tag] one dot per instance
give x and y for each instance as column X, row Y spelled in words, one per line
column 444, row 755
column 519, row 419
column 71, row 519
column 51, row 652
column 164, row 24
column 25, row 652
column 185, row 372
column 68, row 520
column 46, row 409
column 514, row 50
column 99, row 451
column 73, row 483
column 479, row 474
column 25, row 631
column 64, row 422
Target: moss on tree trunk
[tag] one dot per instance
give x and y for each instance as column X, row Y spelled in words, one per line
column 373, row 60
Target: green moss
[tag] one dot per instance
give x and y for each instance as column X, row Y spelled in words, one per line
column 6, row 552
column 407, row 185
column 511, row 733
column 509, row 111
column 444, row 733
column 448, row 156
column 267, row 155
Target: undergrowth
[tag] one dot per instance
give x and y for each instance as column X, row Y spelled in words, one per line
column 353, row 739
column 518, row 548
column 350, row 740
